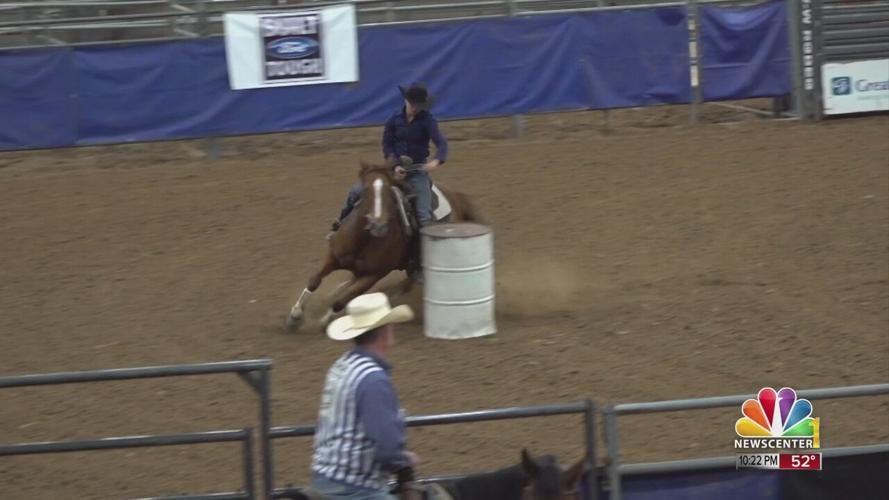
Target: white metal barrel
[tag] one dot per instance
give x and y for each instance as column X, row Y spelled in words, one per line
column 458, row 274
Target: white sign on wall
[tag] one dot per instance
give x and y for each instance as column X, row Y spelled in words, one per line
column 855, row 87
column 303, row 47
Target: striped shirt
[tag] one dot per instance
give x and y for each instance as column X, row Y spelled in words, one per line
column 360, row 433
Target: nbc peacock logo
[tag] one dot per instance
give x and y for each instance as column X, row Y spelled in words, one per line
column 777, row 420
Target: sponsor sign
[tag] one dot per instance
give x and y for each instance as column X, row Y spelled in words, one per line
column 855, row 87
column 291, row 48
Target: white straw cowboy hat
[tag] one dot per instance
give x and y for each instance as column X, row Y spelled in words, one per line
column 366, row 312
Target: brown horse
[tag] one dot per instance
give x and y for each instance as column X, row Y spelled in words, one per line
column 375, row 239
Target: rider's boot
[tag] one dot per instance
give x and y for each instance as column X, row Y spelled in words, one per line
column 338, row 221
column 414, row 264
column 333, row 228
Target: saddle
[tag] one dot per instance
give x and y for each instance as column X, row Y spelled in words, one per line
column 441, row 207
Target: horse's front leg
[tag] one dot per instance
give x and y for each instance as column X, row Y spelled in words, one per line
column 358, row 286
column 297, row 312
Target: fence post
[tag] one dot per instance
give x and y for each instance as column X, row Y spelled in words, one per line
column 592, row 478
column 518, row 121
column 818, row 55
column 694, row 25
column 249, row 484
column 202, row 18
column 265, row 429
column 611, row 436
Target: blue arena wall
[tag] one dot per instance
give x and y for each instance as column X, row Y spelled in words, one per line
column 68, row 96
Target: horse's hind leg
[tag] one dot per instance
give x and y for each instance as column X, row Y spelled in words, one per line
column 358, row 286
column 297, row 313
column 400, row 289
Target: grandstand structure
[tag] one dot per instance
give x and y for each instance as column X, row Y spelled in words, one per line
column 44, row 23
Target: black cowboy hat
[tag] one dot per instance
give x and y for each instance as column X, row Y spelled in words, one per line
column 417, row 95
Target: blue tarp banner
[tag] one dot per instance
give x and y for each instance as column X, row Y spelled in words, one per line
column 173, row 90
column 721, row 484
column 38, row 99
column 745, row 52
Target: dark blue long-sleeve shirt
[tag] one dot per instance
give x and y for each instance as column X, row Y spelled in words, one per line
column 401, row 137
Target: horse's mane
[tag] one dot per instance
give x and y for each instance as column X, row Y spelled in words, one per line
column 370, row 168
column 385, row 169
column 549, row 477
column 502, row 484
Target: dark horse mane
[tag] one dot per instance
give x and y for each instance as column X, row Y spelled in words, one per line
column 507, row 483
column 386, row 169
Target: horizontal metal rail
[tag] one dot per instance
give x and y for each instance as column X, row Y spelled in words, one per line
column 135, row 373
column 433, row 7
column 22, row 24
column 723, row 401
column 831, row 10
column 86, row 3
column 856, row 34
column 124, row 442
column 871, row 17
column 456, row 418
column 244, row 436
column 721, row 462
column 863, row 50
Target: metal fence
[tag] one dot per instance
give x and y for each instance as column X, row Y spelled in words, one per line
column 854, row 30
column 833, row 31
column 616, row 470
column 32, row 24
column 585, row 408
column 79, row 22
column 244, row 436
column 254, row 372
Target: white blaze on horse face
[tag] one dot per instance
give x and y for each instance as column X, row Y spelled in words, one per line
column 378, row 198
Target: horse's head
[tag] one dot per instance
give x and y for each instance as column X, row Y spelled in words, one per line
column 546, row 480
column 377, row 197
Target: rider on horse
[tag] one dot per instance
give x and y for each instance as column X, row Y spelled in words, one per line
column 407, row 133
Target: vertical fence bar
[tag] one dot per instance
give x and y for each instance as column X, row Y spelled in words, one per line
column 27, row 34
column 806, row 31
column 265, row 416
column 518, row 121
column 203, row 27
column 249, row 483
column 818, row 54
column 589, row 420
column 793, row 27
column 694, row 30
column 611, row 435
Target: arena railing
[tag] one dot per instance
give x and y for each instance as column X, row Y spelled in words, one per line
column 244, row 436
column 254, row 372
column 586, row 408
column 616, row 470
column 204, row 18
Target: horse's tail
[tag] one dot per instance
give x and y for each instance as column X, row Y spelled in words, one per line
column 468, row 209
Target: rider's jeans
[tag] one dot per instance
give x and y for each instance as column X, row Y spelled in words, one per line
column 422, row 188
column 337, row 490
column 420, row 184
column 351, row 199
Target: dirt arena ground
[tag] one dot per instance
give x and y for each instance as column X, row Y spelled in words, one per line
column 651, row 260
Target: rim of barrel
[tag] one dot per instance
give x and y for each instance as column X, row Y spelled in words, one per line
column 455, row 230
